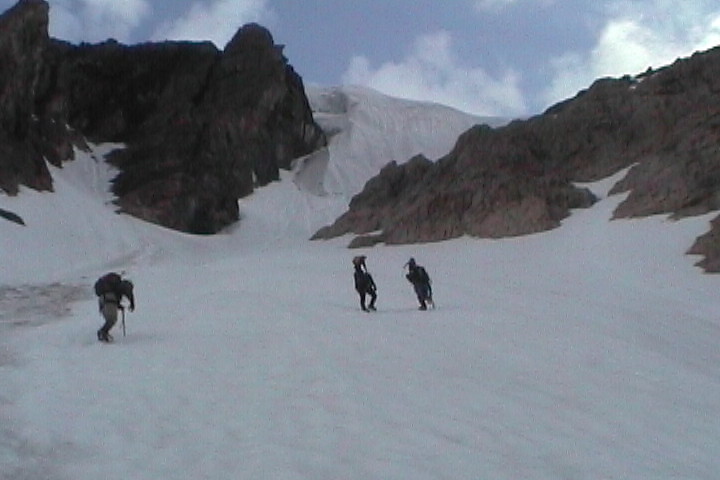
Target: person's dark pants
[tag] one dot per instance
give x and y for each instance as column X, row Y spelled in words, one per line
column 373, row 297
column 423, row 294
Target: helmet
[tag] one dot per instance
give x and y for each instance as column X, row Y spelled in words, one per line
column 411, row 262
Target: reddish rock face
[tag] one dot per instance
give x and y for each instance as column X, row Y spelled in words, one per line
column 518, row 179
column 202, row 127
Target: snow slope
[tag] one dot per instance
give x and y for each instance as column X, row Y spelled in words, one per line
column 587, row 352
column 367, row 130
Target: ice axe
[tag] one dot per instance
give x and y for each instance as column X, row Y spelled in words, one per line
column 122, row 309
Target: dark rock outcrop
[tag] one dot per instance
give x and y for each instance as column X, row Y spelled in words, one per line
column 518, row 179
column 11, row 216
column 708, row 246
column 23, row 42
column 488, row 186
column 202, row 127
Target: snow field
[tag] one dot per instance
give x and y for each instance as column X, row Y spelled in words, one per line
column 586, row 352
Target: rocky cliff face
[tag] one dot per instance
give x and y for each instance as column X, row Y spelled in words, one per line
column 202, row 127
column 519, row 179
column 23, row 39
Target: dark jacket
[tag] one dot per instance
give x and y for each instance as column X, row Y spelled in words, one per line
column 364, row 281
column 418, row 276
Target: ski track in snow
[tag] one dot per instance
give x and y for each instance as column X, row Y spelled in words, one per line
column 586, row 352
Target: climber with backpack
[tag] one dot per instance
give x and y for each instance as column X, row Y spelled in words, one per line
column 418, row 276
column 110, row 290
column 364, row 283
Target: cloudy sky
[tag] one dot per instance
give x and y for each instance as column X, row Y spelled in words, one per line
column 489, row 57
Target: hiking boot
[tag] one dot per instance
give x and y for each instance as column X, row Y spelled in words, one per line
column 104, row 337
column 372, row 307
column 423, row 307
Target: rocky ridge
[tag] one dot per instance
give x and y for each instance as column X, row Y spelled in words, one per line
column 203, row 127
column 518, row 179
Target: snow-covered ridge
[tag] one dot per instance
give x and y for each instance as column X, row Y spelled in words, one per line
column 367, row 130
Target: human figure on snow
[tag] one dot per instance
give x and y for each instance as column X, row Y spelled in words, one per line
column 364, row 283
column 421, row 283
column 110, row 289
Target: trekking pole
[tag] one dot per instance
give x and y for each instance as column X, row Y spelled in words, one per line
column 123, row 319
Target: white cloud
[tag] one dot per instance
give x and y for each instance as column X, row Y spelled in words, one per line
column 128, row 12
column 216, row 21
column 431, row 72
column 710, row 37
column 96, row 20
column 494, row 6
column 485, row 5
column 637, row 36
